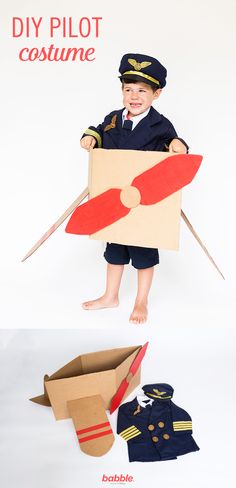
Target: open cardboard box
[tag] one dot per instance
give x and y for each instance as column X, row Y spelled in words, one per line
column 83, row 390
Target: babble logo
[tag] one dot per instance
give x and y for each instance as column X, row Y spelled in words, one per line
column 117, row 478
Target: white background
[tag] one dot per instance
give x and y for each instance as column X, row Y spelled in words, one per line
column 44, row 109
column 38, row 451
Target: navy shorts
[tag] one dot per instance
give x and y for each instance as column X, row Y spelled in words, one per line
column 141, row 257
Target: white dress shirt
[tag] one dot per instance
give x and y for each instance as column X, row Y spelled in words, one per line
column 136, row 119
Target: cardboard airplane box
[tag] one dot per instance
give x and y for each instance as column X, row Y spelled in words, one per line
column 84, row 388
column 134, row 199
column 89, row 374
column 156, row 225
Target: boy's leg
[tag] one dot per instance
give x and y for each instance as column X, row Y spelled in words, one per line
column 139, row 314
column 111, row 295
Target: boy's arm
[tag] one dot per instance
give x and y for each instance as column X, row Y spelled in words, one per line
column 88, row 142
column 178, row 145
column 93, row 134
column 173, row 143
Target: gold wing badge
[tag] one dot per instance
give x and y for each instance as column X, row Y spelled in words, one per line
column 138, row 66
column 159, row 392
column 112, row 124
column 138, row 410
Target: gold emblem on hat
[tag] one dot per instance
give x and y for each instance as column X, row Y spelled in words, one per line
column 159, row 392
column 112, row 124
column 138, row 66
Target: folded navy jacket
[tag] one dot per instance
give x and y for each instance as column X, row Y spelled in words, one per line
column 154, row 427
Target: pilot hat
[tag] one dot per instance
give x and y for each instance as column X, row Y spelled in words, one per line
column 140, row 67
column 159, row 391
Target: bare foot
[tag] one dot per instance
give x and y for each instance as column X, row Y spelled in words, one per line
column 102, row 302
column 139, row 314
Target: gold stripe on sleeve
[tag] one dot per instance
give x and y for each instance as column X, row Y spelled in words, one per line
column 130, row 432
column 90, row 132
column 184, row 425
column 131, row 436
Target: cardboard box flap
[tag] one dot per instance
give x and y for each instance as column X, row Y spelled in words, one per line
column 73, row 368
column 92, row 427
column 42, row 399
column 106, row 360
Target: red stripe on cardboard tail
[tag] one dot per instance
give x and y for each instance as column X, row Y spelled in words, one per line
column 93, row 427
column 95, row 436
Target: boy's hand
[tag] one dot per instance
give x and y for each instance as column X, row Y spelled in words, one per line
column 177, row 146
column 88, row 142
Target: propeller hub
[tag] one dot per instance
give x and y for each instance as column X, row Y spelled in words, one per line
column 130, row 196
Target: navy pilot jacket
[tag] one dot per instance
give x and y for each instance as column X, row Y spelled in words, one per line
column 155, row 429
column 153, row 133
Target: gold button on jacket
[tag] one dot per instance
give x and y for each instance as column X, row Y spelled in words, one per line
column 166, row 436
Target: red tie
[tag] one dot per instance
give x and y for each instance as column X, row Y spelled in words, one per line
column 150, row 187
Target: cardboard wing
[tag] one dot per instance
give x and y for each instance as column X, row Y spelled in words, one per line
column 135, row 197
column 83, row 390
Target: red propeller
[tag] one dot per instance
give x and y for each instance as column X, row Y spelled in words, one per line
column 118, row 397
column 150, row 187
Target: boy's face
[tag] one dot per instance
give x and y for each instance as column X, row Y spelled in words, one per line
column 138, row 97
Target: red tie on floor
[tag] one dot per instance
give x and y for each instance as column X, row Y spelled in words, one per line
column 150, row 187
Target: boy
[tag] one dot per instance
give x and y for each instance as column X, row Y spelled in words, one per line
column 137, row 126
